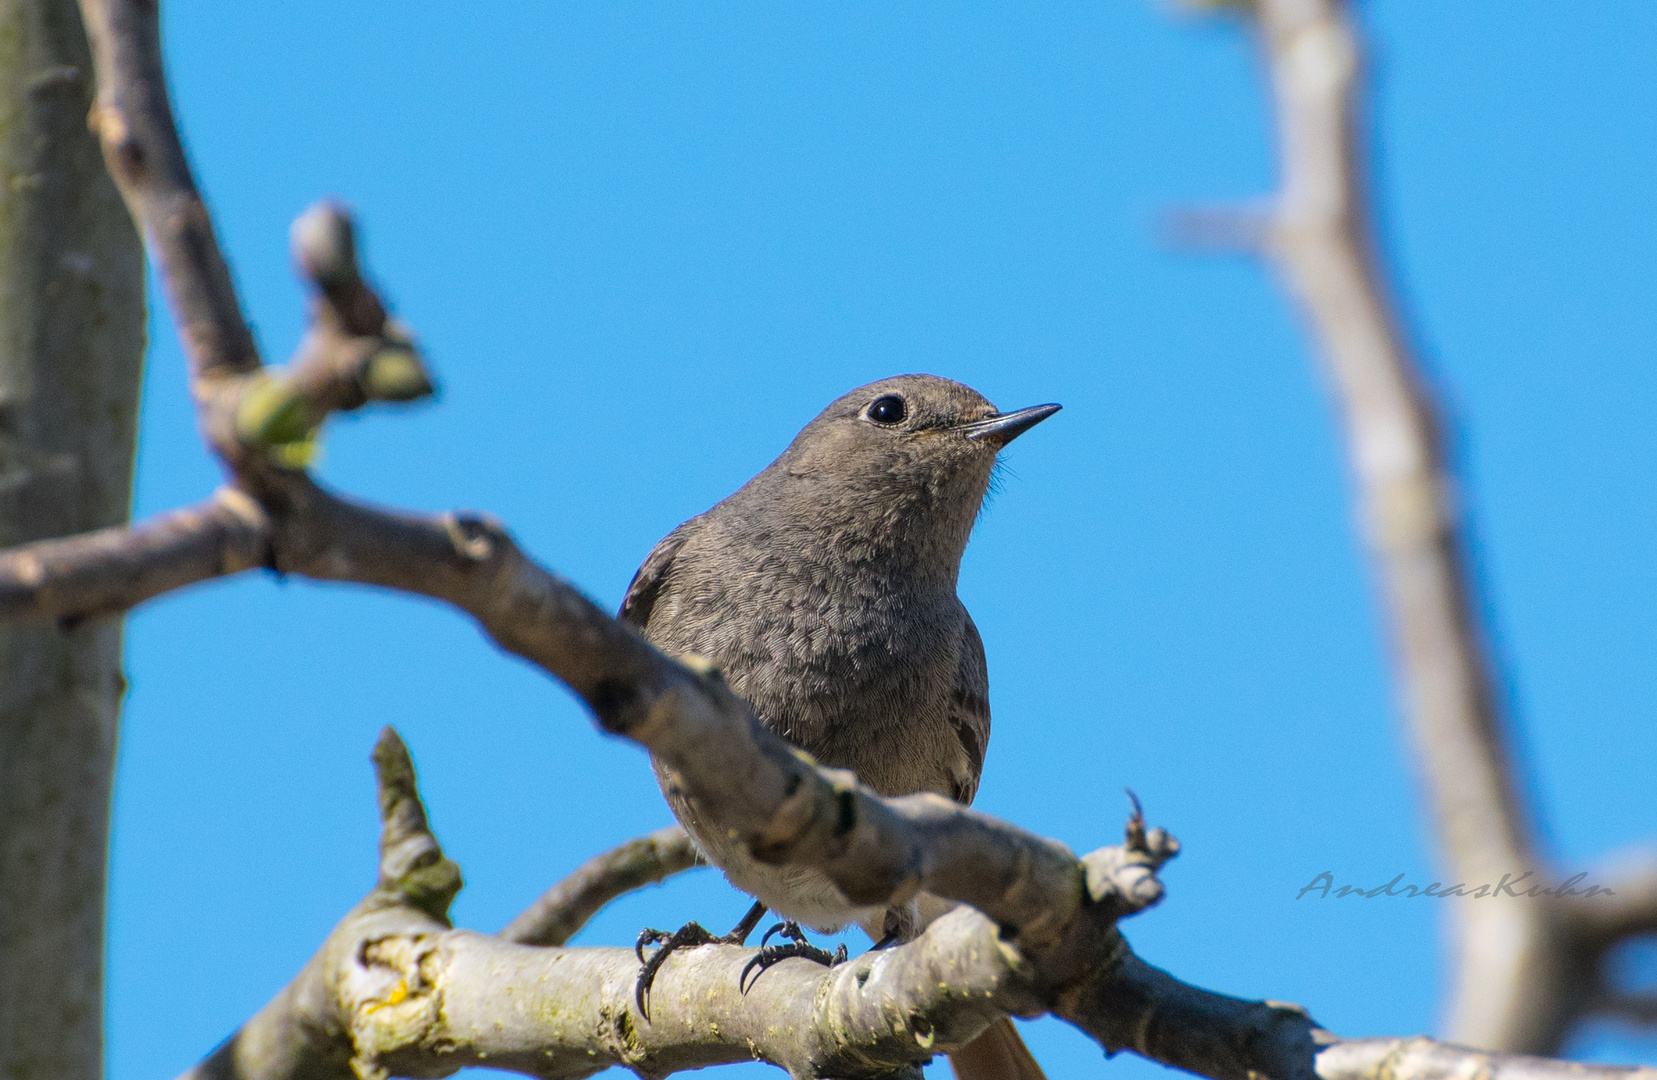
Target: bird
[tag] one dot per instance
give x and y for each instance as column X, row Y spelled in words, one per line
column 824, row 591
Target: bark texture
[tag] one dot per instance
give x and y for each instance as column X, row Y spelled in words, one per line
column 71, row 352
column 395, row 990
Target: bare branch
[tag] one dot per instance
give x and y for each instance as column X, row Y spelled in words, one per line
column 1630, row 910
column 564, row 909
column 353, row 353
column 134, row 122
column 395, row 991
column 1424, row 1059
column 117, row 568
column 1323, row 244
column 1511, row 971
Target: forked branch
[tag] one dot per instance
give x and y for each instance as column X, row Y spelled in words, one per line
column 395, row 990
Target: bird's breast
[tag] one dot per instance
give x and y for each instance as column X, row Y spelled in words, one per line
column 853, row 665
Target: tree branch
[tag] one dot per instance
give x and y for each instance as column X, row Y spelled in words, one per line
column 395, row 990
column 72, row 342
column 1424, row 1059
column 134, row 121
column 564, row 909
column 1522, row 973
column 1629, row 911
column 115, row 569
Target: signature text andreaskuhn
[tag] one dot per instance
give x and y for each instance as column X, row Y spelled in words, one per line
column 1323, row 887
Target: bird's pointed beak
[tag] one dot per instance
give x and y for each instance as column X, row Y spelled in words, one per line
column 1003, row 428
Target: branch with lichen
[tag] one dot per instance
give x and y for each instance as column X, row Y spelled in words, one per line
column 396, row 990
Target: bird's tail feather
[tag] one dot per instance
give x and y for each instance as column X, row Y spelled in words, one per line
column 997, row 1054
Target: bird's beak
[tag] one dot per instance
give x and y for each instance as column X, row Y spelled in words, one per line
column 1003, row 428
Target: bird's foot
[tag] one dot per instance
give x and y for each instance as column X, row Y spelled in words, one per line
column 688, row 936
column 797, row 946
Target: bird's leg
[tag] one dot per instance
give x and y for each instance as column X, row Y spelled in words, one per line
column 899, row 926
column 688, row 936
column 797, row 946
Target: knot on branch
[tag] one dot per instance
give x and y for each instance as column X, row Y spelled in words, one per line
column 1124, row 878
column 413, row 869
column 354, row 352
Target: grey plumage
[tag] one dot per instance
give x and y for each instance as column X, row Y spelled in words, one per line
column 825, row 591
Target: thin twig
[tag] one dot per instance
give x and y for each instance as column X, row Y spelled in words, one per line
column 560, row 912
column 118, row 568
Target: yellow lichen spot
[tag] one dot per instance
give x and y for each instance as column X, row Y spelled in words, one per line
column 398, row 995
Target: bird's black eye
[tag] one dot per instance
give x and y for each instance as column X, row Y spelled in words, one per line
column 888, row 410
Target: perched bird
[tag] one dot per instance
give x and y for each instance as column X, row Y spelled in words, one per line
column 824, row 590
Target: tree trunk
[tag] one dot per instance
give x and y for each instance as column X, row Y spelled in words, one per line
column 71, row 354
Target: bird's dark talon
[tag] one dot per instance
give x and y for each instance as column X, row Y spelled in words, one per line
column 788, row 929
column 687, row 936
column 769, row 955
column 647, row 936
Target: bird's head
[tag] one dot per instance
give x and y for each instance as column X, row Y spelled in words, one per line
column 908, row 458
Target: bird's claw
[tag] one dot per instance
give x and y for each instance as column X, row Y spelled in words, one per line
column 688, row 936
column 797, row 946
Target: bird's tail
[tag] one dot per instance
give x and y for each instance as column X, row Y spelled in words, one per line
column 997, row 1054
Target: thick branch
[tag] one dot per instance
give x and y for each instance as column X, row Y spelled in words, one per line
column 1424, row 1059
column 564, row 909
column 71, row 360
column 396, row 991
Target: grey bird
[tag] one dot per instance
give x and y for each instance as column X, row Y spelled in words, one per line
column 824, row 590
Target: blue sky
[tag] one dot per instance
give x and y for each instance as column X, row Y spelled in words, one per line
column 644, row 243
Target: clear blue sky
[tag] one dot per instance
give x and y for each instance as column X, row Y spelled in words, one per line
column 644, row 243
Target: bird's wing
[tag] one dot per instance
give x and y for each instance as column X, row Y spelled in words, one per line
column 647, row 583
column 969, row 711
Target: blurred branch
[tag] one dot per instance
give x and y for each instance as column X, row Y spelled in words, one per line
column 1521, row 976
column 115, row 569
column 257, row 421
column 1424, row 1059
column 394, row 988
column 71, row 362
column 564, row 909
column 1630, row 910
